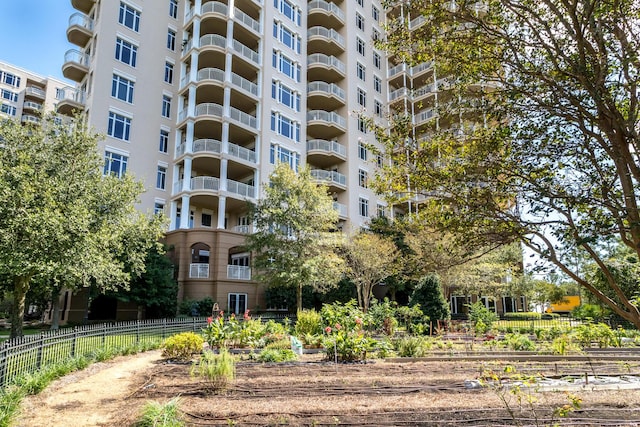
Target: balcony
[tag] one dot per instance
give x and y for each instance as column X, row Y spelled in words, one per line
column 70, row 100
column 242, row 153
column 198, row 183
column 238, row 272
column 243, row 229
column 325, row 124
column 32, row 106
column 28, row 118
column 323, row 67
column 83, row 6
column 199, row 271
column 325, row 13
column 328, row 40
column 334, row 179
column 76, row 65
column 341, row 209
column 205, row 110
column 325, row 153
column 325, row 95
column 215, row 41
column 214, row 7
column 243, row 119
column 247, row 53
column 424, row 116
column 80, row 29
column 244, row 84
column 247, row 21
column 35, row 92
column 241, row 189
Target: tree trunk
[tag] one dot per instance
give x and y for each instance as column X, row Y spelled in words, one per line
column 55, row 309
column 20, row 288
column 299, row 297
column 140, row 311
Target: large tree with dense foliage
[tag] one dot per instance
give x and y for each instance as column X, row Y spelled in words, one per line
column 293, row 244
column 62, row 223
column 551, row 159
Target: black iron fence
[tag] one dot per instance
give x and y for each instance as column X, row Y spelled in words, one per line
column 30, row 353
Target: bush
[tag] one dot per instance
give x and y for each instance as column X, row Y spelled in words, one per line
column 383, row 316
column 413, row 319
column 156, row 414
column 526, row 315
column 428, row 295
column 346, row 338
column 481, row 318
column 519, row 342
column 182, row 346
column 217, row 370
column 590, row 312
column 277, row 355
column 412, row 346
column 308, row 322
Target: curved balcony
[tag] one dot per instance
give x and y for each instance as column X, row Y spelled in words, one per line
column 325, row 13
column 214, row 7
column 76, row 65
column 325, row 68
column 31, row 106
column 327, row 40
column 80, row 29
column 325, row 124
column 323, row 153
column 70, row 100
column 83, row 5
column 215, row 41
column 208, row 109
column 28, row 118
column 325, row 95
column 333, row 179
column 35, row 92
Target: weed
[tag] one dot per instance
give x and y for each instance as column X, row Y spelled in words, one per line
column 217, row 370
column 156, row 414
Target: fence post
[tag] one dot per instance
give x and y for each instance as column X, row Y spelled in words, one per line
column 74, row 341
column 194, row 324
column 40, row 351
column 104, row 335
column 164, row 328
column 4, row 354
column 137, row 332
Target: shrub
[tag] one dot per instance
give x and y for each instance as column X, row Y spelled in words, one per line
column 588, row 312
column 156, row 414
column 481, row 317
column 412, row 346
column 428, row 295
column 346, row 338
column 383, row 316
column 519, row 342
column 217, row 370
column 277, row 355
column 599, row 333
column 525, row 315
column 413, row 318
column 308, row 322
column 182, row 346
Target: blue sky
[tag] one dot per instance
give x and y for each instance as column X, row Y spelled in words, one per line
column 35, row 34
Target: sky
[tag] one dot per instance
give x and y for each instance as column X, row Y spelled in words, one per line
column 36, row 35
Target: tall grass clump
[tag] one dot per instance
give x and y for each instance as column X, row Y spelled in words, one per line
column 216, row 370
column 182, row 346
column 155, row 414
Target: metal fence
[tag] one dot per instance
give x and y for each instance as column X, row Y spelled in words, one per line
column 30, row 353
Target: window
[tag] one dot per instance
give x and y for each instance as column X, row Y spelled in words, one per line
column 126, row 52
column 164, row 140
column 115, row 164
column 171, row 39
column 166, row 106
column 168, row 72
column 286, row 36
column 360, row 46
column 459, row 303
column 362, row 125
column 9, row 96
column 285, row 95
column 381, row 210
column 375, row 35
column 363, row 207
column 119, row 126
column 362, row 97
column 9, row 79
column 129, row 17
column 285, row 126
column 158, row 208
column 286, row 66
column 8, row 109
column 360, row 2
column 509, row 305
column 205, row 219
column 288, row 9
column 173, row 8
column 377, row 108
column 362, row 151
column 489, row 303
column 122, row 88
column 379, row 160
column 237, row 303
column 161, row 177
column 360, row 71
column 377, row 84
column 375, row 13
column 363, row 178
column 359, row 21
column 279, row 154
column 376, row 60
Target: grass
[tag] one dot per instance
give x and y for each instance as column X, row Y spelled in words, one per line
column 217, row 370
column 156, row 414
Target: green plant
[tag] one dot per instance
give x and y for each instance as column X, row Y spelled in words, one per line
column 383, row 316
column 589, row 312
column 182, row 346
column 412, row 346
column 276, row 355
column 217, row 370
column 564, row 344
column 519, row 342
column 428, row 294
column 523, row 315
column 308, row 322
column 481, row 318
column 155, row 414
column 346, row 338
column 412, row 318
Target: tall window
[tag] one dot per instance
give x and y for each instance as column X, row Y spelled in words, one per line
column 164, row 140
column 362, row 125
column 362, row 151
column 166, row 106
column 362, row 97
column 119, row 126
column 360, row 71
column 382, row 210
column 286, row 36
column 376, row 60
column 129, row 17
column 360, row 2
column 173, row 8
column 377, row 108
column 363, row 178
column 161, row 177
column 8, row 109
column 375, row 35
column 237, row 303
column 280, row 154
column 285, row 126
column 171, row 39
column 377, row 84
column 205, row 219
column 126, row 52
column 9, row 79
column 360, row 46
column 168, row 72
column 8, row 95
column 286, row 66
column 285, row 95
column 363, row 207
column 288, row 9
column 158, row 208
column 122, row 88
column 115, row 164
column 359, row 21
column 375, row 13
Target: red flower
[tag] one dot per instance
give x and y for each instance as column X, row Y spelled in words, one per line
column 358, row 321
column 246, row 315
column 209, row 320
column 328, row 329
column 338, row 326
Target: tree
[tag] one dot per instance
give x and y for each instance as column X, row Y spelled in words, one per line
column 369, row 259
column 293, row 245
column 62, row 223
column 428, row 294
column 550, row 159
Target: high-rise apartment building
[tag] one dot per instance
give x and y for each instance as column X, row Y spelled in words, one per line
column 199, row 99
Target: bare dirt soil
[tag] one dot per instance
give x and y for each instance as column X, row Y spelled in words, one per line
column 314, row 392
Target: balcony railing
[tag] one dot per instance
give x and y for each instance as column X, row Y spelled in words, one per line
column 29, row 118
column 421, row 67
column 244, row 229
column 329, row 88
column 214, row 6
column 199, row 271
column 242, row 153
column 81, row 20
column 326, row 116
column 72, row 94
column 326, row 32
column 35, row 91
column 241, row 188
column 329, row 146
column 76, row 56
column 329, row 7
column 207, row 145
column 210, row 74
column 403, row 91
column 329, row 176
column 209, row 109
column 213, row 40
column 423, row 116
column 342, row 209
column 205, row 183
column 397, row 69
column 245, row 84
column 30, row 105
column 247, row 20
column 329, row 61
column 238, row 272
column 244, row 118
column 246, row 52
